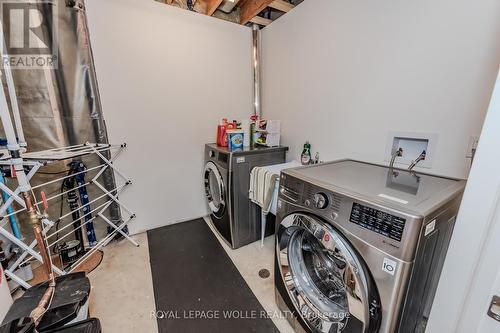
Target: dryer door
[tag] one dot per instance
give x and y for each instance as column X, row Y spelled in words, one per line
column 325, row 278
column 215, row 190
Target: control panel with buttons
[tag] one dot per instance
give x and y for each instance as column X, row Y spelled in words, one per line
column 382, row 223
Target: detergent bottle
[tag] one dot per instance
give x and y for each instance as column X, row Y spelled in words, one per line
column 305, row 157
column 222, row 133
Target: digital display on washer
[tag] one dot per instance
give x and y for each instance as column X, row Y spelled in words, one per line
column 382, row 223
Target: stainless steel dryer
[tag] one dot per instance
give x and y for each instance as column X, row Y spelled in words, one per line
column 360, row 247
column 227, row 179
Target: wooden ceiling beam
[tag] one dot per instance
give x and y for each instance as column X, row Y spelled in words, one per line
column 282, row 5
column 250, row 8
column 260, row 20
column 212, row 6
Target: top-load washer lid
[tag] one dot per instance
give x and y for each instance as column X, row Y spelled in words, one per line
column 414, row 192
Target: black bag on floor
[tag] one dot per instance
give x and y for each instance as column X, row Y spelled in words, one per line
column 72, row 292
column 25, row 325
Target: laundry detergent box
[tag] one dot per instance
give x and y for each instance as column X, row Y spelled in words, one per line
column 235, row 139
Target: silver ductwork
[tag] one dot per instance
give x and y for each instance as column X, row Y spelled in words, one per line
column 256, row 69
column 227, row 6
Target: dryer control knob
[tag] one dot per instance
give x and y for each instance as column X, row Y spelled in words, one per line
column 320, row 200
column 211, row 153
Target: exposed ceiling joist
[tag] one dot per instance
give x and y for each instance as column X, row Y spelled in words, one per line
column 238, row 11
column 250, row 9
column 281, row 5
column 260, row 20
column 212, row 6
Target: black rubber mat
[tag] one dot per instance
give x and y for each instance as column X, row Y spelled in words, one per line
column 196, row 285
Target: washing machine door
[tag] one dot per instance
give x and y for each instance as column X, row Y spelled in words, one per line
column 325, row 278
column 215, row 190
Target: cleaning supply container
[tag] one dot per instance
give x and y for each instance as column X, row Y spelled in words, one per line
column 235, row 139
column 245, row 127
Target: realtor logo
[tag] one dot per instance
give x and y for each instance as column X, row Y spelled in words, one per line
column 29, row 33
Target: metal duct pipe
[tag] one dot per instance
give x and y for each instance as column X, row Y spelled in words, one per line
column 12, row 92
column 227, row 6
column 256, row 69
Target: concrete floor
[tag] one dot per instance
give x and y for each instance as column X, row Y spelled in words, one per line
column 122, row 289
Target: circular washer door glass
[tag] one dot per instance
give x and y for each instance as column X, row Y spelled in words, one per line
column 214, row 190
column 323, row 275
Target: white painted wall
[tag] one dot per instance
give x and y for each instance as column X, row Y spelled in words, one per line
column 166, row 76
column 471, row 274
column 343, row 73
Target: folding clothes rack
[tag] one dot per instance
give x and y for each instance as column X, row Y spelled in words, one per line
column 36, row 160
column 18, row 160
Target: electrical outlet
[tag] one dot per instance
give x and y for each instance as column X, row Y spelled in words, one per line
column 471, row 150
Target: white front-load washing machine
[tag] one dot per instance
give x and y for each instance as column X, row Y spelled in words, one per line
column 360, row 247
